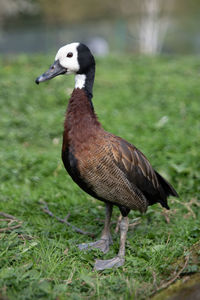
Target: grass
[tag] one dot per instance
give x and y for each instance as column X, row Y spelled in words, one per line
column 151, row 102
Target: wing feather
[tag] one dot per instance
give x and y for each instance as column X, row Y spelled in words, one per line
column 135, row 166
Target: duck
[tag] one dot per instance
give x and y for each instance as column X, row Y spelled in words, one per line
column 105, row 166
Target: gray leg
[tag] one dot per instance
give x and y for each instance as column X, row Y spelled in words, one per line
column 105, row 240
column 118, row 223
column 117, row 261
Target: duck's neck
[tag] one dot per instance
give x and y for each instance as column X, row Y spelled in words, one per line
column 81, row 123
column 80, row 112
column 80, row 117
column 81, row 120
column 86, row 81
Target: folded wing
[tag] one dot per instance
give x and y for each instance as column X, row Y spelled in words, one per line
column 137, row 169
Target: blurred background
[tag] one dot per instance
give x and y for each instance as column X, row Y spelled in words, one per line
column 147, row 91
column 137, row 26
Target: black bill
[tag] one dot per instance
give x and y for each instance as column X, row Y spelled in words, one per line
column 55, row 70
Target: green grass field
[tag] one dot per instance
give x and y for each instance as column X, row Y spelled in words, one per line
column 154, row 103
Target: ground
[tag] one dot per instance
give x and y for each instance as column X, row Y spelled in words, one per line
column 151, row 102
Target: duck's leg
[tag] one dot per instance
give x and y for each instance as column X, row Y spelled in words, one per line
column 105, row 240
column 117, row 261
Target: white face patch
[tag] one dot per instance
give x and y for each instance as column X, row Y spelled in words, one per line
column 70, row 63
column 80, row 81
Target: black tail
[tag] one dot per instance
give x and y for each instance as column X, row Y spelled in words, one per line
column 167, row 190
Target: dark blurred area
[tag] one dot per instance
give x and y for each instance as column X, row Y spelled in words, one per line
column 137, row 26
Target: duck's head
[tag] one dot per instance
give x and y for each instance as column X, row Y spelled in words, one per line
column 74, row 58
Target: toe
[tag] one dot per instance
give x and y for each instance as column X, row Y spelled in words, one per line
column 102, row 245
column 115, row 262
column 84, row 246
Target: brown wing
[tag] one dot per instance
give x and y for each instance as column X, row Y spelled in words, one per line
column 138, row 171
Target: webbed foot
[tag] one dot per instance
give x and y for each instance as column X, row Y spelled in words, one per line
column 115, row 262
column 102, row 244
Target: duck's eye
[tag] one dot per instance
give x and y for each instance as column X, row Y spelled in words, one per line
column 70, row 54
